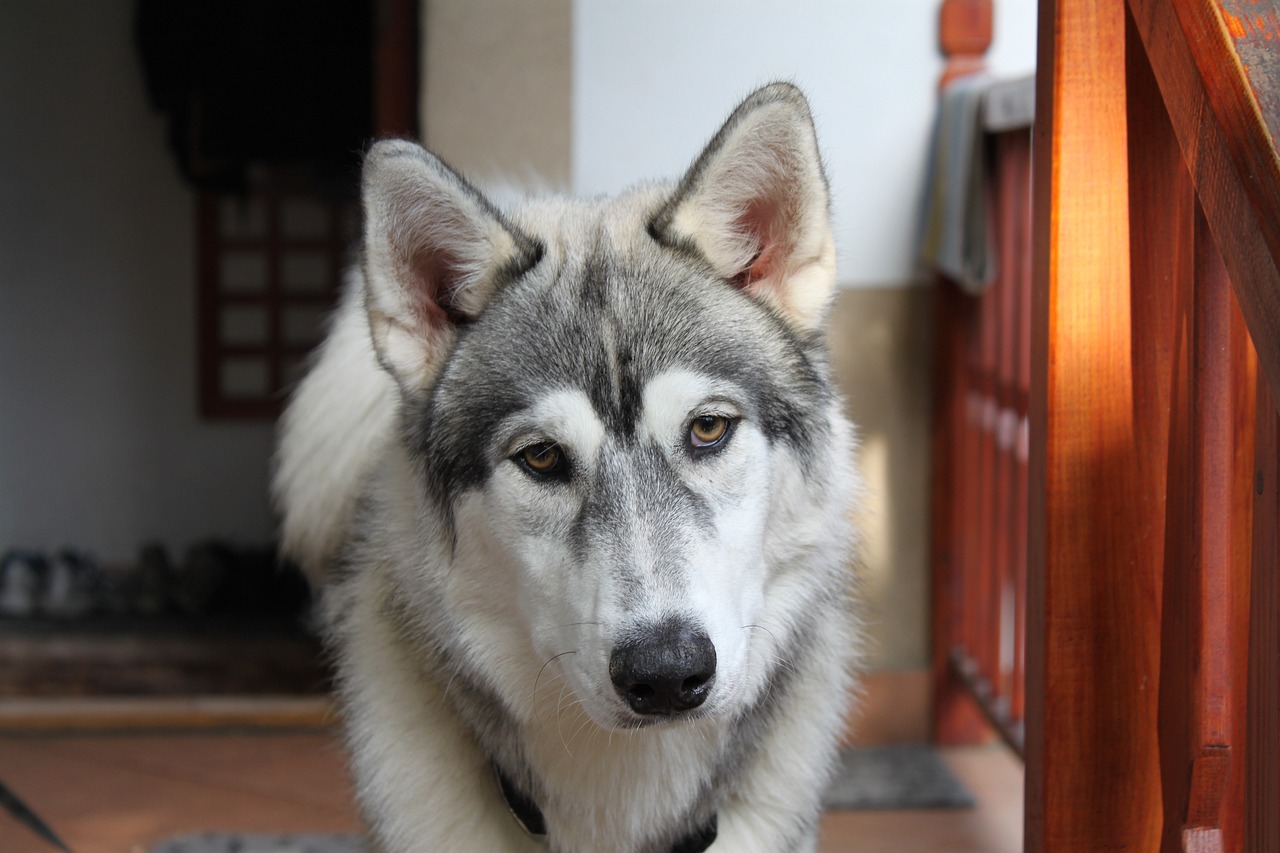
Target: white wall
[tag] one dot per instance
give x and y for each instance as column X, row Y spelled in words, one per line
column 651, row 81
column 100, row 446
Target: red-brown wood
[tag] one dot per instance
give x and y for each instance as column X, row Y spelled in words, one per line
column 1244, row 379
column 1197, row 735
column 1214, row 62
column 1181, row 309
column 1227, row 135
column 956, row 720
column 979, row 484
column 1093, row 591
column 984, row 613
column 1152, row 597
column 964, row 34
column 276, row 352
column 1022, row 440
column 395, row 63
column 1262, row 795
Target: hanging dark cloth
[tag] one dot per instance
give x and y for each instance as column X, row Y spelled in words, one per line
column 249, row 82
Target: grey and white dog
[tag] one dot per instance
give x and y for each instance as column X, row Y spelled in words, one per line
column 578, row 487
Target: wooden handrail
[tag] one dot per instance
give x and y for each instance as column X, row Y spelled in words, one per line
column 1214, row 61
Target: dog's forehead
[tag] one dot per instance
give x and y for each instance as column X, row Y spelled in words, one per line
column 568, row 227
column 607, row 308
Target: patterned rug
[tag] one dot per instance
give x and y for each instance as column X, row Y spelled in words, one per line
column 885, row 777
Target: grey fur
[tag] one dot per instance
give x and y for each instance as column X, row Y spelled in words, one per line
column 468, row 585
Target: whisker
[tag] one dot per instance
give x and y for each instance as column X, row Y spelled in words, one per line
column 548, row 663
column 559, row 717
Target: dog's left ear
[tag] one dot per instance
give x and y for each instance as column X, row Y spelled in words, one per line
column 755, row 205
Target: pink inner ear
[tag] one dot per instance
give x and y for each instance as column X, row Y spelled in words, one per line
column 761, row 221
column 432, row 277
column 428, row 275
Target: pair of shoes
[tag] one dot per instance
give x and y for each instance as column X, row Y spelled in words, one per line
column 66, row 586
column 22, row 578
column 73, row 586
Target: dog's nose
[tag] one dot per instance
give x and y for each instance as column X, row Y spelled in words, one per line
column 665, row 670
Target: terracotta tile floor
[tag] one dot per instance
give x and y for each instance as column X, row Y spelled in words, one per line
column 121, row 793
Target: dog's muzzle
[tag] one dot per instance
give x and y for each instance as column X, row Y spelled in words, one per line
column 665, row 669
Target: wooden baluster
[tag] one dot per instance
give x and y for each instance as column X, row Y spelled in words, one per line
column 1244, row 379
column 1262, row 798
column 1009, row 223
column 1093, row 583
column 1022, row 450
column 964, row 34
column 956, row 720
column 1196, row 734
column 984, row 581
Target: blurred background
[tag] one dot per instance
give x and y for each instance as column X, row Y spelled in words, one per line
column 175, row 212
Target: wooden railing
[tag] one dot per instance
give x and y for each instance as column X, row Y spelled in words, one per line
column 980, row 447
column 1153, row 583
column 981, row 441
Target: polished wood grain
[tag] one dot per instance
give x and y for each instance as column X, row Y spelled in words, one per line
column 1262, row 794
column 1208, row 57
column 1093, row 591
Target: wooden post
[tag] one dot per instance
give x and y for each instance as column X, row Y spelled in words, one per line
column 1094, row 580
column 964, row 35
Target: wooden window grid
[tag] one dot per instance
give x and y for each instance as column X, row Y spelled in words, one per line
column 270, row 266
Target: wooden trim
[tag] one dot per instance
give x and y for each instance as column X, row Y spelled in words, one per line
column 45, row 716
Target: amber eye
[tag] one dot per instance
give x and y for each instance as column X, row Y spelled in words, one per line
column 544, row 458
column 708, row 431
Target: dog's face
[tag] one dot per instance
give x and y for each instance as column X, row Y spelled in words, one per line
column 621, row 423
column 621, row 406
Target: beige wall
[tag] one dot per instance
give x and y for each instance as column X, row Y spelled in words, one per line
column 496, row 87
column 497, row 103
column 881, row 350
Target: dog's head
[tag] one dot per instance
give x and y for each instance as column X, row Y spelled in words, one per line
column 621, row 408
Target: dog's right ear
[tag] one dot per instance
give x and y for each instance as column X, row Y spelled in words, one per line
column 434, row 251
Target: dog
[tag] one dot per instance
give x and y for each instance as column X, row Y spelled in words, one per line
column 578, row 488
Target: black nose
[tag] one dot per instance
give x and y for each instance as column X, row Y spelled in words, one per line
column 664, row 670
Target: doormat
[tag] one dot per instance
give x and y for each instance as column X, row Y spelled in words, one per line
column 234, row 842
column 911, row 776
column 882, row 777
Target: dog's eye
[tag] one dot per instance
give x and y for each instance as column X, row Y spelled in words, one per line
column 544, row 459
column 707, row 432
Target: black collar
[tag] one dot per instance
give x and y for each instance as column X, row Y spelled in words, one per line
column 529, row 816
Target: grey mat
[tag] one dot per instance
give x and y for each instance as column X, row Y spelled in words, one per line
column 884, row 777
column 895, row 777
column 235, row 842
